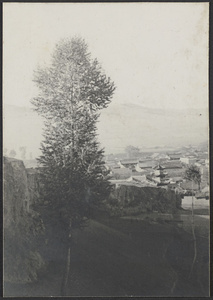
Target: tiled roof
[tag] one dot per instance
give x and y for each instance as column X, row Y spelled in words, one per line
column 176, row 172
column 129, row 161
column 174, row 156
column 113, row 166
column 121, row 170
column 139, row 178
column 178, row 178
column 146, row 164
column 172, row 164
column 132, row 183
column 159, row 167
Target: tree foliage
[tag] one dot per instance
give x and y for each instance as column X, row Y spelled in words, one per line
column 12, row 153
column 72, row 91
column 193, row 173
column 132, row 151
column 23, row 151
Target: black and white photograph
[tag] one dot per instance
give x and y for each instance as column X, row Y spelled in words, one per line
column 106, row 149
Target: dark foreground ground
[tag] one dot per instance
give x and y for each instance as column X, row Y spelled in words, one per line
column 123, row 257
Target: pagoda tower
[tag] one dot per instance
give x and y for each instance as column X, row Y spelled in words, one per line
column 160, row 175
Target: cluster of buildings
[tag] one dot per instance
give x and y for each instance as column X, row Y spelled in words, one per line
column 166, row 170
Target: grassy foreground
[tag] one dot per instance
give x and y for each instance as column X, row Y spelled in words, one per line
column 123, row 257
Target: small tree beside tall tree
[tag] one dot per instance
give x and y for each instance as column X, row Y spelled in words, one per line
column 193, row 174
column 72, row 92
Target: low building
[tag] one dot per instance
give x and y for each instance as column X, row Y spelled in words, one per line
column 132, row 182
column 172, row 164
column 109, row 165
column 188, row 160
column 120, row 173
column 138, row 178
column 146, row 164
column 174, row 156
column 128, row 163
column 140, row 171
column 176, row 180
column 159, row 171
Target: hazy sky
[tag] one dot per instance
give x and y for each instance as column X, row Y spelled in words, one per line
column 156, row 53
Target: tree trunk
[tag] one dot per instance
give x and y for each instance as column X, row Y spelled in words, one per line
column 67, row 267
column 193, row 233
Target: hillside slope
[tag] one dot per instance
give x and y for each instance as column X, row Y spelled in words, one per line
column 115, row 257
column 119, row 125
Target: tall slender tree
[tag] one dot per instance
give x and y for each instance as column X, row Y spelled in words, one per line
column 73, row 90
column 193, row 174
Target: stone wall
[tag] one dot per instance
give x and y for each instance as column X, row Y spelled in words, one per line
column 21, row 189
column 22, row 225
column 34, row 185
column 148, row 198
column 15, row 190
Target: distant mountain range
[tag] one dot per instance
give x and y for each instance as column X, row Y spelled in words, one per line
column 119, row 125
column 130, row 124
